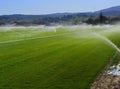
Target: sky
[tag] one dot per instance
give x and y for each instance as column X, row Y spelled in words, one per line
column 37, row 7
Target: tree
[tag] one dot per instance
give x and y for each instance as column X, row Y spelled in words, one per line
column 103, row 19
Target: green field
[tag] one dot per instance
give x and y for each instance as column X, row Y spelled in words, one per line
column 49, row 58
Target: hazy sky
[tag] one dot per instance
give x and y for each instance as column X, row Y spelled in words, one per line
column 53, row 6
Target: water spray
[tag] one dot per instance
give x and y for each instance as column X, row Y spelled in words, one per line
column 108, row 41
column 115, row 69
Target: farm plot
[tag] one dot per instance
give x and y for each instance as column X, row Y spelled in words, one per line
column 60, row 59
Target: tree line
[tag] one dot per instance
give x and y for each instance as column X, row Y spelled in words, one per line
column 63, row 19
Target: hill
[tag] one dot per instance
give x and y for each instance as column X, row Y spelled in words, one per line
column 113, row 11
column 59, row 18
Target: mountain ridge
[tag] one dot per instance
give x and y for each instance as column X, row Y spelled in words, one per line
column 114, row 8
column 74, row 18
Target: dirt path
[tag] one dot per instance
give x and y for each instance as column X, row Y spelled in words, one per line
column 107, row 82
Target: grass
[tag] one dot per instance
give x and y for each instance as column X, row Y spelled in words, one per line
column 68, row 61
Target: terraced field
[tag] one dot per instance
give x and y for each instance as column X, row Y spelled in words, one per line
column 54, row 58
